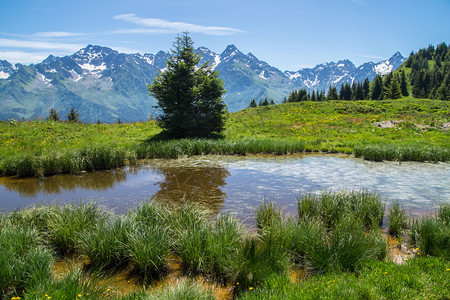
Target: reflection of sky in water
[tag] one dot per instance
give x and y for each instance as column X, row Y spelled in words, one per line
column 238, row 184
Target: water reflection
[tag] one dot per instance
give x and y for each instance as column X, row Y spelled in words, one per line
column 30, row 187
column 236, row 184
column 200, row 184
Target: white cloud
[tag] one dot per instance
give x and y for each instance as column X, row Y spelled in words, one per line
column 39, row 45
column 22, row 57
column 57, row 34
column 163, row 26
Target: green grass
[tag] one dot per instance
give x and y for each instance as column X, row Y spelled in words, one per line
column 336, row 242
column 422, row 278
column 42, row 148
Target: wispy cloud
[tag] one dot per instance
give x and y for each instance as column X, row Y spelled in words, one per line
column 38, row 45
column 23, row 57
column 152, row 25
column 57, row 34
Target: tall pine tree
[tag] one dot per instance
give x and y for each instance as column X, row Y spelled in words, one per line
column 189, row 95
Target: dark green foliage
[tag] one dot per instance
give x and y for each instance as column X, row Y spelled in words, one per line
column 345, row 92
column 332, row 93
column 366, row 89
column 377, row 90
column 426, row 81
column 189, row 96
column 431, row 236
column 252, row 104
column 397, row 220
column 403, row 84
column 408, row 152
column 392, row 88
column 53, row 115
column 73, row 115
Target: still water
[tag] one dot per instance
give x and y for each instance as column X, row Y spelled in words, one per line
column 237, row 184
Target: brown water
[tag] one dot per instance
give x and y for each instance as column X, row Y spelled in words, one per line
column 236, row 184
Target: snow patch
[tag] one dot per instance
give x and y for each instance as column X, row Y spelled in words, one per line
column 340, row 65
column 383, row 68
column 262, row 75
column 216, row 61
column 45, row 80
column 4, row 75
column 93, row 68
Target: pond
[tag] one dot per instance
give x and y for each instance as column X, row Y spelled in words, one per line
column 237, row 184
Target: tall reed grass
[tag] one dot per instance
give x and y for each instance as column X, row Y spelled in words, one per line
column 408, row 152
column 397, row 221
column 329, row 207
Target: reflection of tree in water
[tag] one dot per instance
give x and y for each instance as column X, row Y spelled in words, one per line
column 30, row 187
column 193, row 184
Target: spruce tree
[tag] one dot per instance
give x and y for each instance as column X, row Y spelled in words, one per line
column 73, row 115
column 252, row 103
column 332, row 93
column 366, row 88
column 313, row 96
column 359, row 93
column 189, row 95
column 377, row 90
column 53, row 115
column 393, row 91
column 403, row 84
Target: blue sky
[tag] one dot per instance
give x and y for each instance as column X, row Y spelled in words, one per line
column 288, row 34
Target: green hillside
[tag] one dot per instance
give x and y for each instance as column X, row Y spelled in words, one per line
column 403, row 129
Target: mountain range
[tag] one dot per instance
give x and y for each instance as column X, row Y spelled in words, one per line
column 103, row 84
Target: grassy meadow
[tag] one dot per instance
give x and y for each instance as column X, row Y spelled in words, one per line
column 403, row 130
column 335, row 248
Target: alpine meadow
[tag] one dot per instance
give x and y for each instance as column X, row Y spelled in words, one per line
column 131, row 176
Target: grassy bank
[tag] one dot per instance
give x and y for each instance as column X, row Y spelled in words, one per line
column 334, row 246
column 403, row 130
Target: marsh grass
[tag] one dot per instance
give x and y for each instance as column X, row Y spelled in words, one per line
column 70, row 221
column 267, row 215
column 210, row 248
column 148, row 247
column 431, row 236
column 105, row 245
column 76, row 284
column 257, row 260
column 402, row 152
column 184, row 290
column 330, row 207
column 397, row 220
column 24, row 261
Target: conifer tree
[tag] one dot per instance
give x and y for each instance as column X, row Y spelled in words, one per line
column 403, row 84
column 359, row 93
column 73, row 115
column 252, row 103
column 377, row 90
column 313, row 96
column 366, row 88
column 332, row 93
column 189, row 95
column 53, row 115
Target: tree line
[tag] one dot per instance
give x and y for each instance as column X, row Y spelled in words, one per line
column 391, row 86
column 430, row 72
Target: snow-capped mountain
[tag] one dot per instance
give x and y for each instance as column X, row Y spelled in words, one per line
column 103, row 84
column 322, row 76
column 6, row 69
